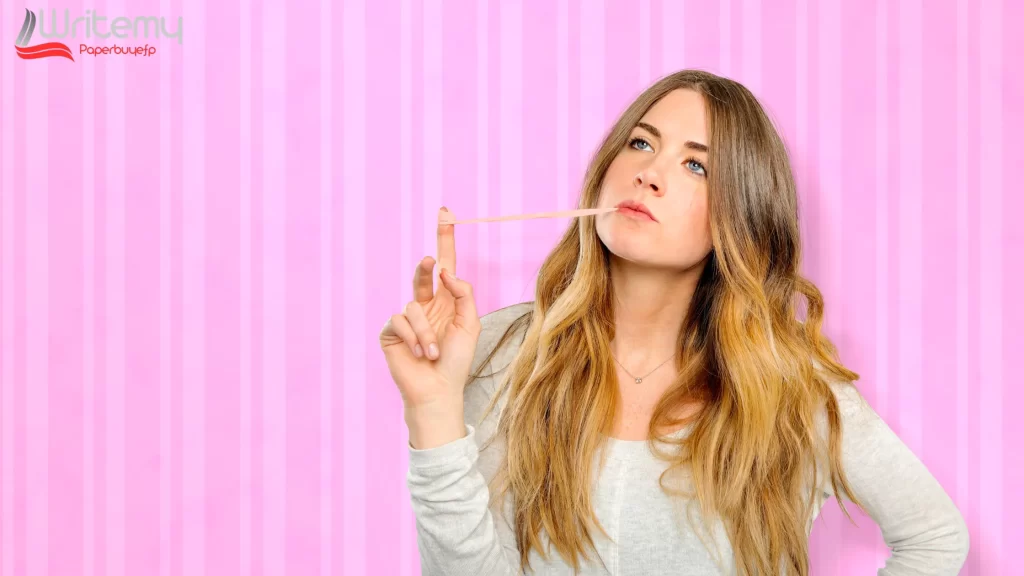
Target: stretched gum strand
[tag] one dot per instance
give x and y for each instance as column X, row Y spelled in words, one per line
column 561, row 214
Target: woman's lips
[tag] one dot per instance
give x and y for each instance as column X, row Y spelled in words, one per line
column 635, row 213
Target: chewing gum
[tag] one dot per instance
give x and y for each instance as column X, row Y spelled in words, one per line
column 447, row 217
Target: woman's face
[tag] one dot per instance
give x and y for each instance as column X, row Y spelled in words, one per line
column 662, row 168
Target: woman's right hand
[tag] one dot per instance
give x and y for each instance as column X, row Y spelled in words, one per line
column 429, row 347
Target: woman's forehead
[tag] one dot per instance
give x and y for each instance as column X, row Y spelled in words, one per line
column 679, row 115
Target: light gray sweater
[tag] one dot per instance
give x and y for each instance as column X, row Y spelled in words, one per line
column 460, row 535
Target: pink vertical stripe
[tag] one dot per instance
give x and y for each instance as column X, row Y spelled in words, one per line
column 218, row 287
column 140, row 272
column 142, row 320
column 1012, row 206
column 493, row 274
column 800, row 137
column 100, row 318
column 408, row 559
column 621, row 62
column 881, row 197
column 64, row 286
column 801, row 160
column 537, row 93
column 592, row 80
column 354, row 341
column 510, row 104
column 274, row 296
column 382, row 470
column 114, row 415
column 590, row 63
column 421, row 217
column 751, row 44
column 433, row 136
column 963, row 267
column 991, row 280
column 7, row 300
column 724, row 37
column 859, row 235
column 245, row 299
column 326, row 276
column 829, row 233
column 407, row 259
column 893, row 132
column 974, row 365
column 645, row 60
column 88, row 322
column 179, row 527
column 673, row 36
column 627, row 62
column 938, row 234
column 566, row 198
column 481, row 238
column 194, row 294
column 17, row 510
column 909, row 235
column 302, row 289
column 165, row 343
column 37, row 381
column 829, row 127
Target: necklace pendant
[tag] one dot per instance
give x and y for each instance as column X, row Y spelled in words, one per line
column 639, row 380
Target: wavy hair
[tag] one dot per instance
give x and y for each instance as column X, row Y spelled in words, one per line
column 750, row 351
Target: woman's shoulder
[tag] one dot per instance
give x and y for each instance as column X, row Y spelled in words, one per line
column 503, row 327
column 501, row 319
column 501, row 334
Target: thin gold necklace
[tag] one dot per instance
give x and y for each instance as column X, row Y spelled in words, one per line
column 640, row 379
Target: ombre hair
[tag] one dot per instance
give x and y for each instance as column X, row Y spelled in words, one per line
column 751, row 351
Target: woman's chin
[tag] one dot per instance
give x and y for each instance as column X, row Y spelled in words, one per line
column 634, row 255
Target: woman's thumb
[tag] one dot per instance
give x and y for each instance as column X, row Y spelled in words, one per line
column 465, row 307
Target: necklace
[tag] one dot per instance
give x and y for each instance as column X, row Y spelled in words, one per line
column 640, row 379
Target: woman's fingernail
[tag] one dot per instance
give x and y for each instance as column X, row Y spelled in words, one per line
column 433, row 351
column 418, row 351
column 443, row 209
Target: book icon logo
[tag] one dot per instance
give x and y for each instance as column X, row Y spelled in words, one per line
column 45, row 50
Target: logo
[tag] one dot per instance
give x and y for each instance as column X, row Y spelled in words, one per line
column 45, row 50
column 92, row 24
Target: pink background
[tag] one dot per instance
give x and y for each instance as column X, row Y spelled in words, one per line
column 199, row 248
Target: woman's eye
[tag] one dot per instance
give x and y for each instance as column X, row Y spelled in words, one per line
column 639, row 143
column 696, row 167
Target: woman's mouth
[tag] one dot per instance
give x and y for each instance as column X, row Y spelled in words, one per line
column 636, row 211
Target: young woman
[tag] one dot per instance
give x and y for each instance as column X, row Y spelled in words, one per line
column 666, row 405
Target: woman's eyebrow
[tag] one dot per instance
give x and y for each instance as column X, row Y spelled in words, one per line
column 697, row 146
column 649, row 128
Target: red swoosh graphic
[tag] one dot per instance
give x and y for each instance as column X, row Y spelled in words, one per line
column 47, row 50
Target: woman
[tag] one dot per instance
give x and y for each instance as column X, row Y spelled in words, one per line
column 661, row 407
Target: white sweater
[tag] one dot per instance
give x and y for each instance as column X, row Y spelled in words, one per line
column 459, row 535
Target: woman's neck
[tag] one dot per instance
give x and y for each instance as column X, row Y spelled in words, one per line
column 649, row 308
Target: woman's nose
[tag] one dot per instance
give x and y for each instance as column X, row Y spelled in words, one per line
column 649, row 179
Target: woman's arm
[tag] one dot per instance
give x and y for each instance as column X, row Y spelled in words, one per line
column 456, row 530
column 919, row 522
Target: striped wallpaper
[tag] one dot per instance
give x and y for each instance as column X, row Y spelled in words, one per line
column 199, row 247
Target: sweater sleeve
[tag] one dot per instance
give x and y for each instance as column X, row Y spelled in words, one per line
column 919, row 522
column 455, row 528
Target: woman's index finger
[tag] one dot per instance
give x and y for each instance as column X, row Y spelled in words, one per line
column 446, row 241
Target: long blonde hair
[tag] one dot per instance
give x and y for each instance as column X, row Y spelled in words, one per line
column 762, row 374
